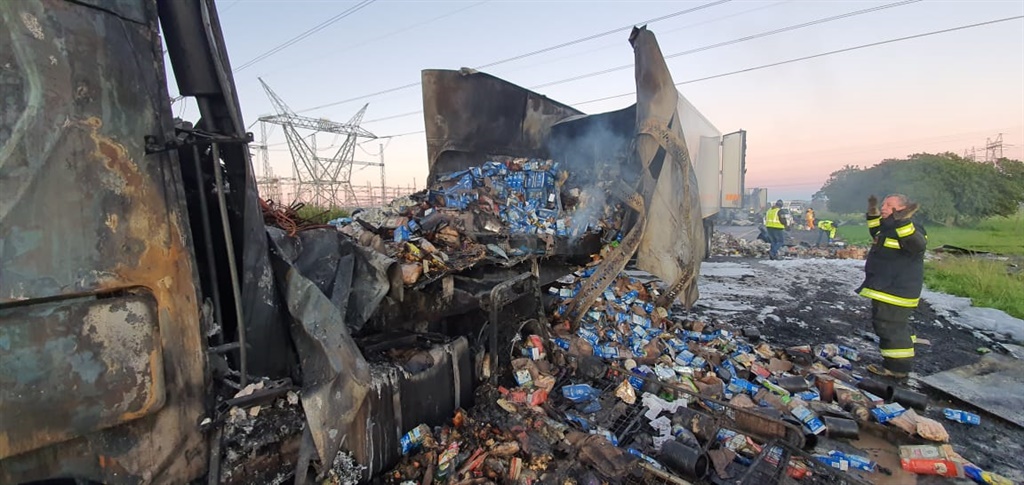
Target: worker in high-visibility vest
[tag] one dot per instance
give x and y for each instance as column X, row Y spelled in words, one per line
column 827, row 231
column 775, row 222
column 894, row 277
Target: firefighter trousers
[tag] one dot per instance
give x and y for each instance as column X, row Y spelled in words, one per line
column 896, row 338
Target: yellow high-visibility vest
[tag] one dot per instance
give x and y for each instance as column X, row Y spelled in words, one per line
column 771, row 219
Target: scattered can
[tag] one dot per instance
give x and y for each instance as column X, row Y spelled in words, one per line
column 962, row 416
column 886, row 412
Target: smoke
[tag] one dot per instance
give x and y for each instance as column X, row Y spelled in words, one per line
column 596, row 152
column 591, row 207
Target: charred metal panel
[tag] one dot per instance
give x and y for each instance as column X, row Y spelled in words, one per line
column 673, row 248
column 86, row 214
column 76, row 366
column 469, row 115
column 400, row 400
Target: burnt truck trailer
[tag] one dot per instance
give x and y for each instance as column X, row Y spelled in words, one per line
column 147, row 314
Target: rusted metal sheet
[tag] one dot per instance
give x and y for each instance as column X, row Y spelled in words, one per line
column 469, row 115
column 88, row 221
column 77, row 366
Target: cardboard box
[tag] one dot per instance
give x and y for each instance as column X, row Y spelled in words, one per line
column 938, row 460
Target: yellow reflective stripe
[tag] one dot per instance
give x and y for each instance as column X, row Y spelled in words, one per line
column 891, row 243
column 897, row 353
column 905, row 230
column 890, row 299
column 913, row 339
column 874, row 223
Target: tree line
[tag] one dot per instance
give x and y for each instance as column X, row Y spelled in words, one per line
column 952, row 190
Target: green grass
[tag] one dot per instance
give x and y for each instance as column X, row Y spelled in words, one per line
column 1002, row 235
column 320, row 215
column 986, row 282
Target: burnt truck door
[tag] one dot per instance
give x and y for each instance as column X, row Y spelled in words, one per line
column 101, row 350
column 734, row 169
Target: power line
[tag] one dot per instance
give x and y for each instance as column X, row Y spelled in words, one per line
column 401, row 135
column 602, row 34
column 298, row 38
column 230, row 6
column 736, row 41
column 698, row 49
column 335, row 52
column 521, row 56
column 823, row 54
column 660, row 33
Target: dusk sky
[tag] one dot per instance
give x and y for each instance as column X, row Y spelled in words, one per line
column 944, row 92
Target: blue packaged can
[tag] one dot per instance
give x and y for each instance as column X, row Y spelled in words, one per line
column 637, row 346
column 849, row 353
column 834, row 462
column 580, row 392
column 635, row 379
column 691, row 335
column 588, row 335
column 649, row 308
column 580, row 420
column 641, row 321
column 729, row 366
column 606, row 351
column 412, row 440
column 885, row 412
column 809, row 395
column 698, row 363
column 747, row 386
column 562, row 343
column 676, row 344
column 962, row 416
column 684, row 357
column 630, row 297
column 401, row 234
column 809, row 419
column 855, row 461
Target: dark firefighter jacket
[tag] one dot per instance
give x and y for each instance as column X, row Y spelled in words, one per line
column 894, row 271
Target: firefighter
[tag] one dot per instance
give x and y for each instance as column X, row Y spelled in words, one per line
column 774, row 221
column 826, row 230
column 809, row 217
column 894, row 275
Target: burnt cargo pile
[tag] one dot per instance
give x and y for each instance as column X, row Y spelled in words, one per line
column 637, row 393
column 502, row 211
